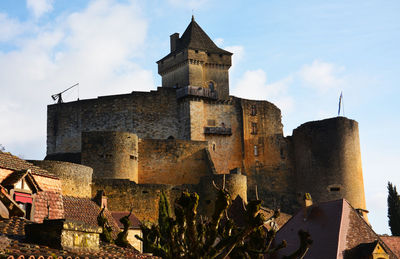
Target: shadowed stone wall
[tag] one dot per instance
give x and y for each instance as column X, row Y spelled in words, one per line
column 172, row 161
column 328, row 160
column 147, row 114
column 111, row 154
column 75, row 179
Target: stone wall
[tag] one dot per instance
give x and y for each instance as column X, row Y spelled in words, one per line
column 196, row 68
column 111, row 154
column 147, row 114
column 75, row 179
column 328, row 160
column 65, row 234
column 142, row 198
column 267, row 155
column 225, row 149
column 172, row 161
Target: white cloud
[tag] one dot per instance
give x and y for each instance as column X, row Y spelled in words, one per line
column 9, row 28
column 96, row 47
column 39, row 7
column 253, row 85
column 321, row 75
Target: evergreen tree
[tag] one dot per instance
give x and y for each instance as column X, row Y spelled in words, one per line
column 393, row 210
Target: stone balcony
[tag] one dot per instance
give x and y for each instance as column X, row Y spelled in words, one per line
column 196, row 91
column 217, row 130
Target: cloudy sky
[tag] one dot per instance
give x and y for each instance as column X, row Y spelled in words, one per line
column 297, row 54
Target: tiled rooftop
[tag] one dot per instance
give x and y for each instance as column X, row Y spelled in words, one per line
column 393, row 242
column 9, row 161
column 12, row 245
column 135, row 223
column 86, row 210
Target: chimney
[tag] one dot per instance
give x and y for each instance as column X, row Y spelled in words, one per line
column 101, row 199
column 174, row 40
column 306, row 205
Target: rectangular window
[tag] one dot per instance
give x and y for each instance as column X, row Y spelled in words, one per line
column 253, row 128
column 253, row 110
column 255, row 150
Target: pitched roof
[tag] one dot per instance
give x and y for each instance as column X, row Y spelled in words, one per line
column 336, row 229
column 393, row 242
column 86, row 210
column 237, row 212
column 135, row 222
column 9, row 161
column 15, row 176
column 12, row 236
column 195, row 38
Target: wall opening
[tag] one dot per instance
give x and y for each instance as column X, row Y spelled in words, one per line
column 253, row 128
column 255, row 150
column 253, row 110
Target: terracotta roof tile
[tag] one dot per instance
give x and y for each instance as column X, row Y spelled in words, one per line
column 393, row 242
column 335, row 228
column 12, row 235
column 86, row 210
column 9, row 161
column 135, row 222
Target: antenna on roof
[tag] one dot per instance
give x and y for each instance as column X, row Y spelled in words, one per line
column 58, row 97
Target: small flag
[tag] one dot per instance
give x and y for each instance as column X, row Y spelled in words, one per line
column 340, row 102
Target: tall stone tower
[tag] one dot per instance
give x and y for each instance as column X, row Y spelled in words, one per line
column 195, row 63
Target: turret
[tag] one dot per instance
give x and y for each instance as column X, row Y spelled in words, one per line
column 111, row 154
column 196, row 65
column 328, row 161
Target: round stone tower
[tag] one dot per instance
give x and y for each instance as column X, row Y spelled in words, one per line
column 235, row 183
column 328, row 161
column 111, row 154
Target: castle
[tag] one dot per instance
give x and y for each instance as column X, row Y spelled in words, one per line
column 191, row 132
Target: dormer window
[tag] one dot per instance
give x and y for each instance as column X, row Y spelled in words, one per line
column 21, row 187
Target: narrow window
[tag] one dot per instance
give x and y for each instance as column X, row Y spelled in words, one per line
column 335, row 189
column 253, row 110
column 255, row 150
column 213, row 146
column 253, row 128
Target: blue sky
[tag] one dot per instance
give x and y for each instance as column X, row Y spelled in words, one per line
column 297, row 54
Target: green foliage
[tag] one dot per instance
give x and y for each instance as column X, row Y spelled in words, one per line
column 122, row 237
column 102, row 221
column 191, row 236
column 393, row 210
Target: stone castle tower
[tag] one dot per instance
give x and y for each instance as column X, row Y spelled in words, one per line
column 190, row 129
column 195, row 61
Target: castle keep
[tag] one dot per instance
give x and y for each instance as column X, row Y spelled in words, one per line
column 190, row 131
